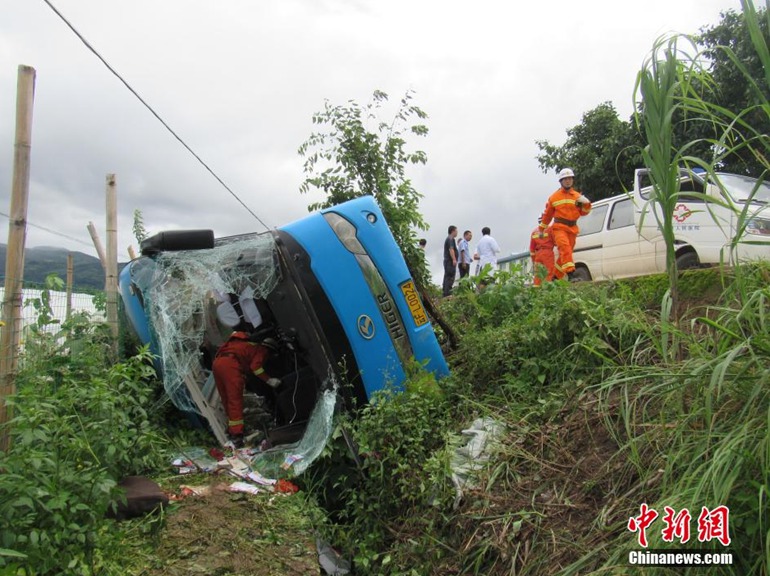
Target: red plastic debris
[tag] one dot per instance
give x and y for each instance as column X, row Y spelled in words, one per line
column 286, row 487
column 216, row 453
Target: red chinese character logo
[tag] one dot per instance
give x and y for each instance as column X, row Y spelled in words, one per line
column 714, row 524
column 642, row 522
column 677, row 526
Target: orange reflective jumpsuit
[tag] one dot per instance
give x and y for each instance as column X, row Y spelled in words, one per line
column 541, row 251
column 563, row 209
column 234, row 360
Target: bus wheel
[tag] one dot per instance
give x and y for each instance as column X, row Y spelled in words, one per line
column 687, row 260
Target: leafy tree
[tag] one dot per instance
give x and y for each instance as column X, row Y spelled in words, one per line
column 738, row 88
column 355, row 153
column 603, row 150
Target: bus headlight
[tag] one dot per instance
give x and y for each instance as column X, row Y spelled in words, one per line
column 345, row 231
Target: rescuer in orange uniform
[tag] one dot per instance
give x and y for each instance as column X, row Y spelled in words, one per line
column 236, row 359
column 541, row 251
column 564, row 207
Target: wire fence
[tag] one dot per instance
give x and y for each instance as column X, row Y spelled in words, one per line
column 58, row 303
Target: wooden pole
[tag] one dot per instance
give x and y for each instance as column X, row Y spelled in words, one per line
column 10, row 333
column 111, row 269
column 98, row 245
column 70, row 269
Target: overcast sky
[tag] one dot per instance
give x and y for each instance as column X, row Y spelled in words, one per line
column 240, row 80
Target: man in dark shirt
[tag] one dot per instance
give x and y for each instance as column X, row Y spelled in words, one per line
column 450, row 261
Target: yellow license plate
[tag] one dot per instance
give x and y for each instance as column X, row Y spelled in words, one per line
column 415, row 304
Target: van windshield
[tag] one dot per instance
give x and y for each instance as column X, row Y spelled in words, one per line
column 740, row 187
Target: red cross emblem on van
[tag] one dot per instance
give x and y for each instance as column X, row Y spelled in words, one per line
column 681, row 213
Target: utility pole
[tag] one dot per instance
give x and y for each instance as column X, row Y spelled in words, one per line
column 10, row 333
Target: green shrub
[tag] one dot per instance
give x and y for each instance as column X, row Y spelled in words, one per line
column 548, row 334
column 79, row 425
column 375, row 500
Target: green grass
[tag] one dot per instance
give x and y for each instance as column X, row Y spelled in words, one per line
column 598, row 420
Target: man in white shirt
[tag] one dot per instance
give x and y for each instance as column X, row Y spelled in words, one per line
column 486, row 251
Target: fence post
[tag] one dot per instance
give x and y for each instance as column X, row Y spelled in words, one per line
column 98, row 245
column 111, row 270
column 10, row 333
column 70, row 266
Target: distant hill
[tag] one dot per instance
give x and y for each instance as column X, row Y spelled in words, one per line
column 41, row 261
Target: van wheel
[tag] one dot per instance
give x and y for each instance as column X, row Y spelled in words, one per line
column 687, row 260
column 581, row 275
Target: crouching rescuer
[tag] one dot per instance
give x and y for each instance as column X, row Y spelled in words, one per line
column 564, row 207
column 238, row 363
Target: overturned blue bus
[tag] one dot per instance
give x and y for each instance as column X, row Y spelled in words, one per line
column 332, row 289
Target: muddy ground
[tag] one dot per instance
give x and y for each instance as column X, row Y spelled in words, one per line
column 234, row 534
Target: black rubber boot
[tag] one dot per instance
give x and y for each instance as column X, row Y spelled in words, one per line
column 236, row 439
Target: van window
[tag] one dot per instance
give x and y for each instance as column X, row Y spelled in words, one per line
column 594, row 221
column 687, row 183
column 690, row 184
column 622, row 214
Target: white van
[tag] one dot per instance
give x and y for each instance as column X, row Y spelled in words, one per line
column 621, row 237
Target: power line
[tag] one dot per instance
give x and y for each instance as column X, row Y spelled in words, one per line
column 146, row 105
column 52, row 231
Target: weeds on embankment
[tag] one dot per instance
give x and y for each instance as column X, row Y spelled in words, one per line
column 599, row 420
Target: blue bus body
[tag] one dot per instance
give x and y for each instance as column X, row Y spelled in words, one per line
column 333, row 288
column 370, row 287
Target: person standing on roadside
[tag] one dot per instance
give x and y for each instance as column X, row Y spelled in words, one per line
column 541, row 251
column 565, row 207
column 486, row 251
column 465, row 259
column 450, row 261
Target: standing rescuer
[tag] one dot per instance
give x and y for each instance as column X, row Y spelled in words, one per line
column 565, row 207
column 236, row 359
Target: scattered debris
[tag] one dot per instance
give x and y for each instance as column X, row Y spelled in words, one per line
column 473, row 456
column 331, row 562
column 194, row 459
column 244, row 487
column 238, row 463
column 194, row 490
column 291, row 459
column 286, row 487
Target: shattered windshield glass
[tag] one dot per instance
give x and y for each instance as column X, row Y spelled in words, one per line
column 183, row 295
